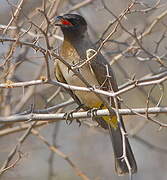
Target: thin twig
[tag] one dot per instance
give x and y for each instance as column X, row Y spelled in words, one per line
column 61, row 154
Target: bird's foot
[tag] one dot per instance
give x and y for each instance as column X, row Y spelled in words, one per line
column 93, row 112
column 69, row 115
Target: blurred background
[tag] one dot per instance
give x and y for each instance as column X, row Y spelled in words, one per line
column 89, row 147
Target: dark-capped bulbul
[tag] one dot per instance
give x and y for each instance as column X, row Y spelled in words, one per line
column 73, row 50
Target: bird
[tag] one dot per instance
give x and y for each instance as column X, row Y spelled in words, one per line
column 97, row 72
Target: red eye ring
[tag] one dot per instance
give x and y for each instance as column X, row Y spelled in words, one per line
column 66, row 22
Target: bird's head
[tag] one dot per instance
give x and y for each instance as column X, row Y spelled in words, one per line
column 73, row 26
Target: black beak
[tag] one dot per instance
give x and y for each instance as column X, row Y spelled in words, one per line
column 58, row 21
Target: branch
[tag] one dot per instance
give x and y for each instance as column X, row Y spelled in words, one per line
column 61, row 154
column 156, row 79
column 86, row 114
column 15, row 15
column 16, row 148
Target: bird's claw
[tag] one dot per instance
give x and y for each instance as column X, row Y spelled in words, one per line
column 68, row 117
column 93, row 112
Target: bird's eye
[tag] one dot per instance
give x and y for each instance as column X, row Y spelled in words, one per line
column 66, row 22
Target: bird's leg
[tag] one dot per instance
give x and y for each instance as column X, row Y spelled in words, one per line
column 69, row 115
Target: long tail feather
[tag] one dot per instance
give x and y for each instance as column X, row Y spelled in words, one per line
column 121, row 165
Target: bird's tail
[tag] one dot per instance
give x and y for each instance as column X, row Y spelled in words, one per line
column 121, row 166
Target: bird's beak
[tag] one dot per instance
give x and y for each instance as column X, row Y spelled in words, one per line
column 58, row 21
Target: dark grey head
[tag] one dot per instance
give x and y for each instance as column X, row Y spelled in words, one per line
column 73, row 26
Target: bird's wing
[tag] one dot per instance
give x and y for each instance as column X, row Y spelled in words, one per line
column 104, row 73
column 99, row 64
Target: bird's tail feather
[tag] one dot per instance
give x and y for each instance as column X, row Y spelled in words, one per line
column 121, row 165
